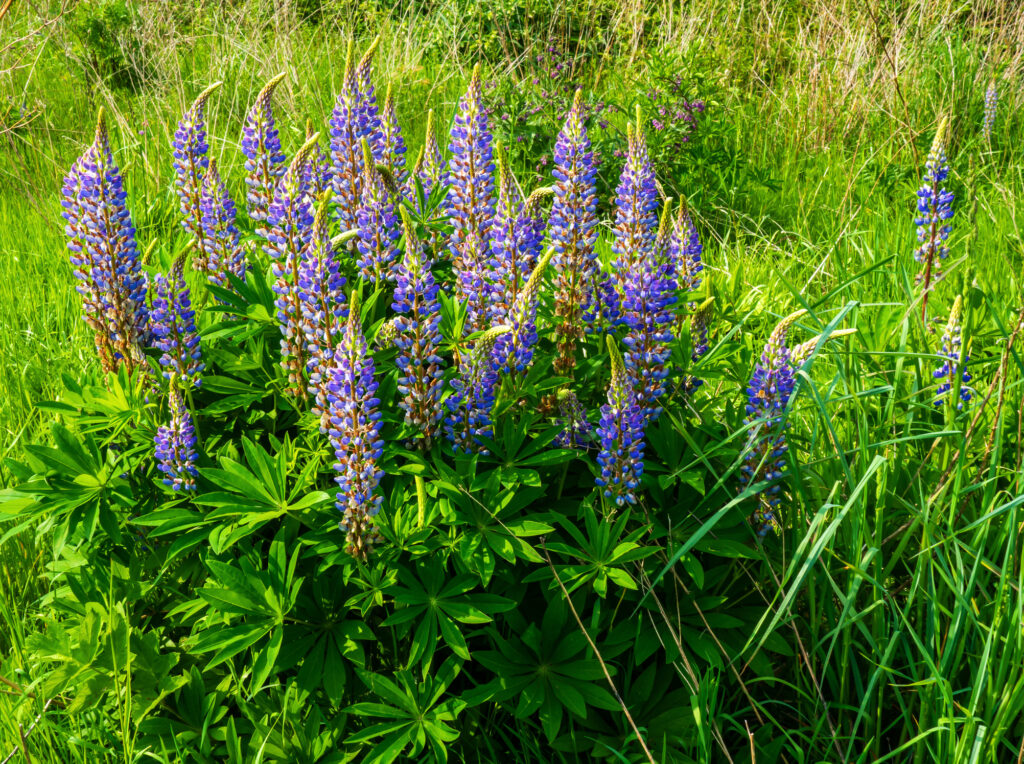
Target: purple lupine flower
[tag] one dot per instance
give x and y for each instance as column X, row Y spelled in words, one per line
column 224, row 250
column 288, row 233
column 953, row 372
column 768, row 395
column 355, row 435
column 346, row 152
column 393, row 143
column 636, row 214
column 176, row 445
column 101, row 238
column 991, row 101
column 321, row 296
column 576, row 432
column 430, row 168
column 471, row 203
column 190, row 147
column 264, row 160
column 647, row 311
column 508, row 268
column 172, row 323
column 700, row 321
column 686, row 250
column 573, row 226
column 513, row 350
column 621, row 434
column 378, row 225
column 934, row 206
column 317, row 170
column 473, row 393
column 369, row 114
column 418, row 339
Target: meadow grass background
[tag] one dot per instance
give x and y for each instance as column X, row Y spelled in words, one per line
column 902, row 589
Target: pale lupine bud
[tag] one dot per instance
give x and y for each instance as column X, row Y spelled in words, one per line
column 418, row 339
column 953, row 372
column 803, row 351
column 355, row 434
column 101, row 238
column 768, row 395
column 176, row 445
column 471, row 203
column 264, row 160
column 220, row 233
column 378, row 225
column 473, row 393
column 190, row 147
column 934, row 207
column 621, row 435
column 288, row 233
column 322, row 304
column 991, row 101
column 573, row 225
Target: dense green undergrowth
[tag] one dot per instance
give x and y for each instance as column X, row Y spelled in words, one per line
column 883, row 622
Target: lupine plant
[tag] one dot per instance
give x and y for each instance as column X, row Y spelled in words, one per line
column 377, row 222
column 176, row 444
column 190, row 147
column 934, row 207
column 173, row 327
column 225, row 255
column 621, row 435
column 261, row 144
column 953, row 375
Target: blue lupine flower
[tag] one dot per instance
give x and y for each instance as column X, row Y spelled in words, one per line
column 767, row 397
column 288, row 233
column 513, row 351
column 101, row 238
column 418, row 339
column 636, row 216
column 953, row 371
column 430, row 168
column 369, row 116
column 176, row 445
column 393, row 143
column 355, row 435
column 935, row 206
column 173, row 325
column 190, row 147
column 323, row 307
column 686, row 250
column 647, row 311
column 700, row 321
column 352, row 121
column 471, row 203
column 264, row 160
column 223, row 247
column 576, row 432
column 621, row 434
column 512, row 246
column 317, row 170
column 991, row 101
column 473, row 393
column 378, row 225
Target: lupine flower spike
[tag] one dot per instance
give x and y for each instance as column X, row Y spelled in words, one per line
column 349, row 127
column 173, row 326
column 378, row 225
column 991, row 101
column 471, row 203
column 393, row 143
column 700, row 323
column 318, row 167
column 418, row 339
column 953, row 372
column 288, row 233
column 176, row 445
column 264, row 160
column 220, row 233
column 621, row 435
column 101, row 238
column 508, row 265
column 355, row 435
column 473, row 392
column 935, row 207
column 767, row 397
column 803, row 351
column 369, row 114
column 647, row 311
column 190, row 147
column 576, row 432
column 636, row 216
column 430, row 167
column 686, row 250
column 323, row 308
column 573, row 224
column 514, row 350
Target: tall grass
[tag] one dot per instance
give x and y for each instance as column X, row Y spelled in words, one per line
column 901, row 591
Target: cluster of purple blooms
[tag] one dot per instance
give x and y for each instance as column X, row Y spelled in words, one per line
column 935, row 208
column 953, row 372
column 264, row 160
column 991, row 101
column 190, row 147
column 172, row 323
column 176, row 445
column 621, row 435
